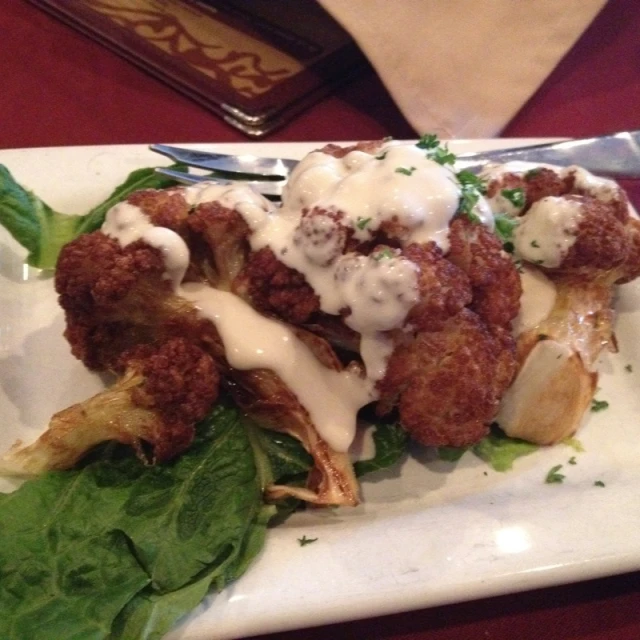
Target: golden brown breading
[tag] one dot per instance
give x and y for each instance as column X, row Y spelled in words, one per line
column 114, row 297
column 94, row 270
column 447, row 384
column 165, row 208
column 275, row 289
column 601, row 240
column 494, row 278
column 444, row 288
column 180, row 384
column 536, row 184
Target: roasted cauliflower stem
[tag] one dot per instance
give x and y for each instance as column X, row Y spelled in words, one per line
column 162, row 390
column 578, row 234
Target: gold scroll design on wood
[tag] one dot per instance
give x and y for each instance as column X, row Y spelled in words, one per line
column 230, row 57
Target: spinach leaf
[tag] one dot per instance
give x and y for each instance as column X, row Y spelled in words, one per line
column 118, row 541
column 43, row 231
column 390, row 441
column 281, row 459
column 450, row 454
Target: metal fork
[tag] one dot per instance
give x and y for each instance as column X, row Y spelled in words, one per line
column 615, row 155
column 267, row 175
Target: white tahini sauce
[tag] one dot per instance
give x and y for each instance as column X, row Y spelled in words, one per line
column 127, row 223
column 548, row 230
column 398, row 183
column 252, row 341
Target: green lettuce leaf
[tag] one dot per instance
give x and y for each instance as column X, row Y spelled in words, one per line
column 42, row 231
column 500, row 451
column 497, row 449
column 118, row 549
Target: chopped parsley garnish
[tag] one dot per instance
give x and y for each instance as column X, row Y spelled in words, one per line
column 382, row 156
column 405, row 171
column 428, row 141
column 599, row 483
column 443, row 156
column 505, row 226
column 572, row 460
column 534, row 244
column 532, row 173
column 435, row 151
column 553, row 477
column 471, row 188
column 542, row 336
column 304, row 541
column 469, row 179
column 515, row 196
column 628, row 368
column 599, row 405
column 361, row 222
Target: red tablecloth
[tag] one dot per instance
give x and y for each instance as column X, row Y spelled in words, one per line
column 60, row 88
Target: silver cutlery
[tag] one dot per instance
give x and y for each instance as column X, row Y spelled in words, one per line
column 615, row 155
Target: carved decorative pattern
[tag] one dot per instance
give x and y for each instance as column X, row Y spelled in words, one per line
column 228, row 56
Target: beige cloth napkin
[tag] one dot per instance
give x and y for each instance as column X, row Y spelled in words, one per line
column 463, row 68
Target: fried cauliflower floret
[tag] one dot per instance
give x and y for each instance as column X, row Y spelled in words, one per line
column 444, row 289
column 448, row 375
column 589, row 238
column 165, row 208
column 577, row 230
column 447, row 384
column 494, row 279
column 275, row 289
column 537, row 183
column 161, row 393
column 601, row 242
column 115, row 297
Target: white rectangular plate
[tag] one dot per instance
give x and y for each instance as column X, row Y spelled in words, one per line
column 427, row 533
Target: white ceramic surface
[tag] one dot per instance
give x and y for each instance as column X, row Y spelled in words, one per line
column 427, row 533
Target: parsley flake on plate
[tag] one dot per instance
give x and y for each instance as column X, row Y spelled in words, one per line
column 553, row 477
column 599, row 405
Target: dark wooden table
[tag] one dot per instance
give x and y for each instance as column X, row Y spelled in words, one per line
column 60, row 88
